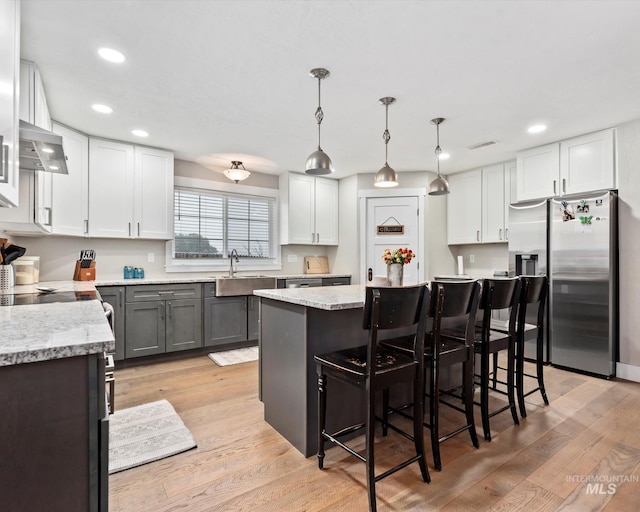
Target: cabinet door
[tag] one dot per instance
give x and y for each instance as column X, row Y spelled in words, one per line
column 225, row 320
column 144, row 328
column 114, row 295
column 42, row 118
column 153, row 202
column 111, row 182
column 253, row 317
column 43, row 199
column 509, row 193
column 301, row 209
column 587, row 163
column 184, row 324
column 9, row 101
column 326, row 212
column 464, row 208
column 537, row 173
column 493, row 201
column 70, row 195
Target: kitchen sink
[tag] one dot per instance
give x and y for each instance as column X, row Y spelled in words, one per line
column 242, row 285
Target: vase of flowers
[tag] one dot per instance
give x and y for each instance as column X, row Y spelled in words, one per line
column 396, row 260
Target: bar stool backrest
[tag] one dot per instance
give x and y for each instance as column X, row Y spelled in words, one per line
column 459, row 300
column 500, row 294
column 534, row 290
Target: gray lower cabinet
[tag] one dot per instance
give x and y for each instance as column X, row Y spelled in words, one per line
column 114, row 295
column 164, row 318
column 336, row 281
column 229, row 319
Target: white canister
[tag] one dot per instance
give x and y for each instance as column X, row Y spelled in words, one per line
column 27, row 270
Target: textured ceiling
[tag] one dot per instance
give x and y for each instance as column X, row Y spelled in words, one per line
column 220, row 80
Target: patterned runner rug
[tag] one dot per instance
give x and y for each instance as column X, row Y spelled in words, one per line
column 229, row 357
column 146, row 433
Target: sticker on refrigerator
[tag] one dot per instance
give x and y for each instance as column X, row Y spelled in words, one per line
column 567, row 212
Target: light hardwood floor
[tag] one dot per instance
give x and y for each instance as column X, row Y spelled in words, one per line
column 590, row 429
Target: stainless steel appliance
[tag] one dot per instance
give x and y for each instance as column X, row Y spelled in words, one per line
column 575, row 242
column 528, row 242
column 583, row 267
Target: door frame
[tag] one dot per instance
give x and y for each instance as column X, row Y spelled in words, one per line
column 363, row 195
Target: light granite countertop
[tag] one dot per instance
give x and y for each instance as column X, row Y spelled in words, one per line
column 40, row 332
column 178, row 279
column 326, row 297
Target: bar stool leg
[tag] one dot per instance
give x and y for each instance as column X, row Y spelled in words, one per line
column 322, row 414
column 495, row 370
column 467, row 370
column 385, row 411
column 434, row 411
column 484, row 391
column 539, row 372
column 510, row 381
column 370, row 435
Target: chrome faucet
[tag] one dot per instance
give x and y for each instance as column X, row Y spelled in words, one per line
column 232, row 269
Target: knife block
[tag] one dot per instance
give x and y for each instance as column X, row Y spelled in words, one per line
column 85, row 274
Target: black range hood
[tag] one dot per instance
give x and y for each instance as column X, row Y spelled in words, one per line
column 41, row 150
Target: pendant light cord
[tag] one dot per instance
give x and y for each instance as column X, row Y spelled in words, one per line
column 386, row 135
column 319, row 113
column 438, row 150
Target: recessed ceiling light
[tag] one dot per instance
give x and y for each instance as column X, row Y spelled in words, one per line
column 537, row 128
column 443, row 156
column 111, row 55
column 140, row 133
column 103, row 109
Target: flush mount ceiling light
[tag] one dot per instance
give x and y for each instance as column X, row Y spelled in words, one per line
column 103, row 109
column 439, row 186
column 111, row 55
column 319, row 162
column 140, row 133
column 237, row 172
column 386, row 176
column 536, row 128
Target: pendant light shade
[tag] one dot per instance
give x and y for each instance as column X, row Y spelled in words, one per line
column 386, row 177
column 319, row 163
column 237, row 172
column 438, row 186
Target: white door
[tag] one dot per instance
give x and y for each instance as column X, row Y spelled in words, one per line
column 389, row 212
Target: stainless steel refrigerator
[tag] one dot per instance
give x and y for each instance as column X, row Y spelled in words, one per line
column 581, row 255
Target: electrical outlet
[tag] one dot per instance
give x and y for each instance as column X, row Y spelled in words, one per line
column 151, row 257
column 472, row 258
column 292, row 258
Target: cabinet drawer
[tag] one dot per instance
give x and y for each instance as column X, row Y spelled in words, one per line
column 335, row 281
column 143, row 292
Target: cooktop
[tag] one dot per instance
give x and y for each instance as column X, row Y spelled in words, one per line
column 24, row 299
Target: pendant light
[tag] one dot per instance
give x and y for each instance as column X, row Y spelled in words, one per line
column 439, row 186
column 319, row 162
column 386, row 176
column 237, row 172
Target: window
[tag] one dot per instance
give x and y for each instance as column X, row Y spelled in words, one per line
column 210, row 224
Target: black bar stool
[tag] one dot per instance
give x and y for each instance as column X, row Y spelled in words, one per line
column 373, row 368
column 451, row 301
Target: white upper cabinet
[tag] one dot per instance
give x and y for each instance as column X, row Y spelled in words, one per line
column 130, row 191
column 464, row 208
column 9, row 101
column 493, row 203
column 33, row 101
column 574, row 166
column 153, row 201
column 478, row 205
column 587, row 163
column 537, row 172
column 309, row 213
column 70, row 194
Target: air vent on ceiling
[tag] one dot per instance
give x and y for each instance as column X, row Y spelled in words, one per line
column 482, row 144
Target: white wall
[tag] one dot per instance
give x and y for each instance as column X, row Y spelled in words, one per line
column 629, row 226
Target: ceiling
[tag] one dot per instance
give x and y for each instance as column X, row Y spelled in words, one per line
column 221, row 80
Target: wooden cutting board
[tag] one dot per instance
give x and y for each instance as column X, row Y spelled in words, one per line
column 316, row 265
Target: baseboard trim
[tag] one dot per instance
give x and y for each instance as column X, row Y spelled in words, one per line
column 628, row 372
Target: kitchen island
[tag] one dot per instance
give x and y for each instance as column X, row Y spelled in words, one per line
column 296, row 324
column 54, row 431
